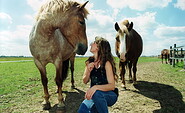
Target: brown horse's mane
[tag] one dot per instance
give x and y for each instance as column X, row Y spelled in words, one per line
column 53, row 8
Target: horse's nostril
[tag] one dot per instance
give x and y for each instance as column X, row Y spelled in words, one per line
column 81, row 49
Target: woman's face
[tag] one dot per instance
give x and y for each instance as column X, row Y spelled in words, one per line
column 94, row 47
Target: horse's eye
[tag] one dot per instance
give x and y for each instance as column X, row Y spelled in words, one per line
column 82, row 22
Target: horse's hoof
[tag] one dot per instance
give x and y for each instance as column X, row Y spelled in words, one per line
column 124, row 87
column 73, row 87
column 46, row 106
column 130, row 81
column 60, row 109
column 135, row 82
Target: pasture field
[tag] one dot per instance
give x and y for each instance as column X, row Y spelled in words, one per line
column 160, row 88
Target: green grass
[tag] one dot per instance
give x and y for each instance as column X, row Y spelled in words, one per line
column 15, row 58
column 16, row 76
column 23, row 78
column 148, row 59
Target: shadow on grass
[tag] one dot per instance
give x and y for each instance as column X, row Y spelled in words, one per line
column 170, row 98
column 72, row 101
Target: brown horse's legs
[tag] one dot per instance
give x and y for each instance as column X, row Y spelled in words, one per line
column 122, row 74
column 59, row 81
column 60, row 98
column 42, row 69
column 72, row 76
column 162, row 58
column 130, row 71
column 166, row 58
column 134, row 70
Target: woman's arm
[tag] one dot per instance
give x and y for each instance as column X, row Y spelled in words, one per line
column 88, row 69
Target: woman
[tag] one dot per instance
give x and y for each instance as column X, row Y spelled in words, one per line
column 101, row 71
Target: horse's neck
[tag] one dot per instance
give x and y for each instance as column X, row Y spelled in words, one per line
column 43, row 30
column 47, row 27
column 63, row 41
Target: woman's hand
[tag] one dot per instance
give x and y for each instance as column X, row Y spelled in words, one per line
column 90, row 92
column 90, row 66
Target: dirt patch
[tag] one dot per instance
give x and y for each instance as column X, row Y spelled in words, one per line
column 150, row 94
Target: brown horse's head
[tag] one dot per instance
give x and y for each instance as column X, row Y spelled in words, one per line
column 122, row 45
column 69, row 17
column 74, row 28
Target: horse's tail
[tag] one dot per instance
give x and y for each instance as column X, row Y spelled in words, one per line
column 65, row 67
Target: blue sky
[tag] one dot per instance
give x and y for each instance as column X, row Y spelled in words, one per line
column 161, row 23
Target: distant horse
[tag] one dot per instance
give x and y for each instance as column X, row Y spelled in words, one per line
column 59, row 31
column 165, row 53
column 128, row 47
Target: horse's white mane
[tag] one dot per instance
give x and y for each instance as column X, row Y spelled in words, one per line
column 123, row 26
column 53, row 7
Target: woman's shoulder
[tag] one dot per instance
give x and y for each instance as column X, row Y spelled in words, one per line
column 108, row 64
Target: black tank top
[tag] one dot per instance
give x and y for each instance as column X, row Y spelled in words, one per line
column 98, row 76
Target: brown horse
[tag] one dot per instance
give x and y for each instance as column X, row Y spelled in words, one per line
column 129, row 47
column 59, row 31
column 165, row 53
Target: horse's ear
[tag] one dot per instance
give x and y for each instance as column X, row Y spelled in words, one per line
column 130, row 26
column 117, row 28
column 82, row 6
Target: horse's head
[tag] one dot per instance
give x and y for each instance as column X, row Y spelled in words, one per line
column 123, row 32
column 74, row 27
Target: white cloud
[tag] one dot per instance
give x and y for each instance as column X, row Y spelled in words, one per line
column 29, row 17
column 180, row 4
column 15, row 42
column 35, row 4
column 100, row 16
column 138, row 4
column 144, row 24
column 170, row 32
column 5, row 20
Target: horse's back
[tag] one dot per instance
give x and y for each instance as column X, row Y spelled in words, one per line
column 136, row 46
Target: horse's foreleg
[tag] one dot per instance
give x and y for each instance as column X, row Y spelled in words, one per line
column 72, row 72
column 59, row 82
column 130, row 71
column 122, row 74
column 42, row 69
column 162, row 58
column 134, row 71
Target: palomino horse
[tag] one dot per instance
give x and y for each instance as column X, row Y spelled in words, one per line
column 165, row 53
column 129, row 47
column 59, row 31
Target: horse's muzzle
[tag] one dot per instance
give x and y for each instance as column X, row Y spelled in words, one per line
column 81, row 49
column 122, row 57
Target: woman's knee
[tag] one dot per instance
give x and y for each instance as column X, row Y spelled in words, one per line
column 83, row 108
column 97, row 94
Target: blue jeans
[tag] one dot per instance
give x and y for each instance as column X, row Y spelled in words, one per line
column 99, row 102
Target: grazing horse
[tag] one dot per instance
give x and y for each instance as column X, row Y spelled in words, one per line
column 128, row 47
column 165, row 53
column 59, row 31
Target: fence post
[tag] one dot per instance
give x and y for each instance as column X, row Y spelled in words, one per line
column 171, row 55
column 174, row 51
